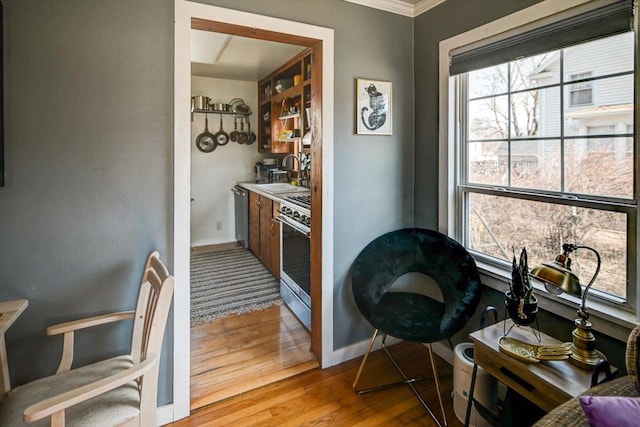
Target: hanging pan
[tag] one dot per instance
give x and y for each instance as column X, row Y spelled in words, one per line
column 251, row 137
column 233, row 136
column 222, row 138
column 242, row 135
column 206, row 141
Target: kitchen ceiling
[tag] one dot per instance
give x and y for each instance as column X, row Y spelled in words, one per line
column 238, row 58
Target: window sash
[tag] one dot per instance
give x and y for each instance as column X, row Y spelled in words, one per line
column 589, row 21
column 464, row 187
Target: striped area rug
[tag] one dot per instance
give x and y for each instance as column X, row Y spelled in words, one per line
column 227, row 282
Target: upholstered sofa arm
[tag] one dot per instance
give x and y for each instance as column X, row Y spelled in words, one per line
column 68, row 329
column 55, row 407
column 632, row 361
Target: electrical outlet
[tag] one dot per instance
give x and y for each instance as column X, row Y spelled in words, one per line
column 219, row 225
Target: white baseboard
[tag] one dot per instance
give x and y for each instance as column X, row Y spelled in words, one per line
column 208, row 242
column 164, row 415
column 443, row 350
column 358, row 349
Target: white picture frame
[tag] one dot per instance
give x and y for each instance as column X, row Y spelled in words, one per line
column 374, row 109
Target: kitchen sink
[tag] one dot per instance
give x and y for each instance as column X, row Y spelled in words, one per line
column 281, row 187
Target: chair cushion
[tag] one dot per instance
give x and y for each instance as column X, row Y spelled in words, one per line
column 408, row 316
column 415, row 250
column 112, row 408
column 611, row 411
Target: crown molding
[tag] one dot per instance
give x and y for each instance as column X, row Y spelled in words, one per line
column 399, row 7
column 423, row 5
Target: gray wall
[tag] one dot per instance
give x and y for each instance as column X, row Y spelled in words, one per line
column 440, row 23
column 89, row 135
column 373, row 175
column 89, row 159
column 461, row 16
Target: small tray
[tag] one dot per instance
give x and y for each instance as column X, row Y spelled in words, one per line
column 532, row 353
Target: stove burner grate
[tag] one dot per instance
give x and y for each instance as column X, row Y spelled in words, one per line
column 300, row 200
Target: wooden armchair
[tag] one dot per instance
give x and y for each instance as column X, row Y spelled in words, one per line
column 114, row 392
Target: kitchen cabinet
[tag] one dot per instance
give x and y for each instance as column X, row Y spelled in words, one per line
column 264, row 231
column 285, row 97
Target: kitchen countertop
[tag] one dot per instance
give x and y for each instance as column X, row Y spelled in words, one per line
column 276, row 191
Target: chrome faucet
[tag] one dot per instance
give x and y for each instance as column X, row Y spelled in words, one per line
column 284, row 161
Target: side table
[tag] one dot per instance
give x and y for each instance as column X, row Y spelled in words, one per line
column 9, row 312
column 547, row 384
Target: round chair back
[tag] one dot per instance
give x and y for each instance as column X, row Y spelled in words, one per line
column 412, row 316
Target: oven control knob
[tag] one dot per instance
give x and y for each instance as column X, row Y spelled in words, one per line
column 296, row 215
column 305, row 220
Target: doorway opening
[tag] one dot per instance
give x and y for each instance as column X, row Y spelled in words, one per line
column 219, row 362
column 233, row 21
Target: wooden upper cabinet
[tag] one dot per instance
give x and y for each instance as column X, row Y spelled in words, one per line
column 284, row 97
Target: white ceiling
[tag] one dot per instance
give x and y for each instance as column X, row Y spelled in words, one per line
column 237, row 58
column 241, row 58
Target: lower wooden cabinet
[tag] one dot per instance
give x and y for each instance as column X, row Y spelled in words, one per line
column 264, row 231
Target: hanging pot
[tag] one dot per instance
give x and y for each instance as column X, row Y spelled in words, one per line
column 200, row 102
column 234, row 135
column 222, row 138
column 251, row 137
column 206, row 141
column 242, row 135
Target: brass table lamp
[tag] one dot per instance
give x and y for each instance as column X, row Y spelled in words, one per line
column 558, row 278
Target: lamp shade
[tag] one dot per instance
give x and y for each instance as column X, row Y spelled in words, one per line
column 557, row 276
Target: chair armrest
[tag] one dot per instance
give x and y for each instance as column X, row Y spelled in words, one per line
column 56, row 405
column 68, row 329
column 88, row 322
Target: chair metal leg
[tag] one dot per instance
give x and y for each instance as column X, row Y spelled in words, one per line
column 406, row 380
column 364, row 360
column 435, row 377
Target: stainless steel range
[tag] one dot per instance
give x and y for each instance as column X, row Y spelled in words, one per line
column 295, row 244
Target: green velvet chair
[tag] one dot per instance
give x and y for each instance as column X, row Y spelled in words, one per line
column 408, row 315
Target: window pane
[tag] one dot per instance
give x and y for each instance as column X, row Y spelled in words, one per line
column 488, row 81
column 612, row 106
column 488, row 118
column 536, row 164
column 535, row 113
column 543, row 227
column 599, row 166
column 605, row 56
column 535, row 71
column 488, row 163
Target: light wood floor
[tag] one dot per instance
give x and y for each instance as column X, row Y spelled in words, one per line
column 326, row 398
column 238, row 353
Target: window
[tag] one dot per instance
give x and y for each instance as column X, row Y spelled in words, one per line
column 533, row 171
column 581, row 93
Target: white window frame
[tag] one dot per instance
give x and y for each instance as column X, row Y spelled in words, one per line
column 581, row 86
column 607, row 319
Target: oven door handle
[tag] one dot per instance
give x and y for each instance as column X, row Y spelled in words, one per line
column 283, row 219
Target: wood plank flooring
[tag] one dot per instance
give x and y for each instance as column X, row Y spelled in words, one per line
column 257, row 369
column 326, row 398
column 238, row 353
